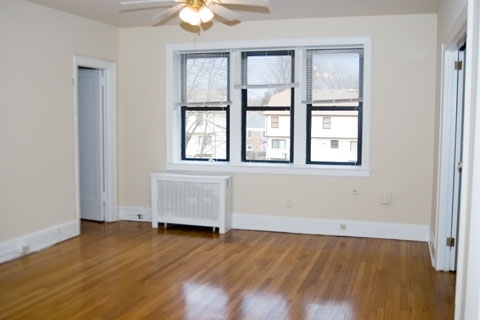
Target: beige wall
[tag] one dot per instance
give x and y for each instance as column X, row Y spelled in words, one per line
column 404, row 74
column 37, row 182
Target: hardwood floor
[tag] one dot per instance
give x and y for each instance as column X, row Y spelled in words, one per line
column 127, row 270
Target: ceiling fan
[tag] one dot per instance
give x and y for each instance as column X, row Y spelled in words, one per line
column 194, row 12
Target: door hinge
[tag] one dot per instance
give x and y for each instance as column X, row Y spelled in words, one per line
column 450, row 242
column 458, row 65
column 459, row 166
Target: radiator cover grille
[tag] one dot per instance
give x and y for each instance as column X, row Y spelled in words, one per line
column 192, row 200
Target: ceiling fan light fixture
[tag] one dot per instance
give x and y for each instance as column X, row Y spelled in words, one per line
column 190, row 16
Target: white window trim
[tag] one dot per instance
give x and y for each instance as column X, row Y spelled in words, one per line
column 235, row 165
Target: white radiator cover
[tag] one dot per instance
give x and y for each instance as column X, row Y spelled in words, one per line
column 192, row 200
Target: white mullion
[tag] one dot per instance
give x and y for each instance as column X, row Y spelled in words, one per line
column 235, row 108
column 300, row 116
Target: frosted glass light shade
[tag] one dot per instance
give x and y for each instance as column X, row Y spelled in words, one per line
column 205, row 14
column 189, row 15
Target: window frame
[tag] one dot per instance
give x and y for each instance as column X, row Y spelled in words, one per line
column 186, row 106
column 246, row 107
column 334, row 107
column 184, row 110
column 172, row 138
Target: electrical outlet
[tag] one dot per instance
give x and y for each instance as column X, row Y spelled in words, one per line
column 25, row 249
column 386, row 198
column 289, row 203
column 343, row 226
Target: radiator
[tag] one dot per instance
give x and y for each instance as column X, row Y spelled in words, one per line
column 191, row 200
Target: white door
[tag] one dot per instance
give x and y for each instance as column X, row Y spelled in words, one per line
column 457, row 170
column 90, row 136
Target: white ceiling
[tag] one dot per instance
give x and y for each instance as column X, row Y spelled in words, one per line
column 108, row 11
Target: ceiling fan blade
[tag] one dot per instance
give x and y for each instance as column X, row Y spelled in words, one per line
column 166, row 14
column 224, row 12
column 255, row 3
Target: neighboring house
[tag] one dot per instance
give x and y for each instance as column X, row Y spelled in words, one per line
column 334, row 136
column 256, row 138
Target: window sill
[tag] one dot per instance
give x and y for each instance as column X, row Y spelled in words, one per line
column 268, row 168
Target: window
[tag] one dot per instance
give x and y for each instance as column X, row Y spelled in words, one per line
column 276, row 106
column 327, row 123
column 205, row 106
column 267, row 91
column 334, row 92
column 278, row 144
column 274, row 122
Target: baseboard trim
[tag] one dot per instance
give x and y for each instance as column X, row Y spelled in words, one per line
column 383, row 230
column 431, row 250
column 36, row 241
column 397, row 231
column 140, row 214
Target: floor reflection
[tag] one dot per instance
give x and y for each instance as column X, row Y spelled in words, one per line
column 204, row 300
column 209, row 302
column 329, row 310
column 258, row 305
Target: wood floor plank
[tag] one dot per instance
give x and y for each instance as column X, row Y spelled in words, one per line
column 127, row 270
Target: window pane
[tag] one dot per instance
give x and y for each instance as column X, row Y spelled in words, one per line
column 256, row 141
column 338, row 144
column 206, row 139
column 335, row 77
column 206, row 79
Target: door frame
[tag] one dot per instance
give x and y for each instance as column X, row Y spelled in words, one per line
column 447, row 143
column 109, row 129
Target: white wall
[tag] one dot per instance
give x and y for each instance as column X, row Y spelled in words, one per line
column 37, row 161
column 404, row 62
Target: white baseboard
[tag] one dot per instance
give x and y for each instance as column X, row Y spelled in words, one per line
column 432, row 247
column 381, row 230
column 141, row 214
column 38, row 240
column 431, row 250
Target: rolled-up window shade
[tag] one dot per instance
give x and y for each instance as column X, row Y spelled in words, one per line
column 335, row 76
column 205, row 79
column 268, row 69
